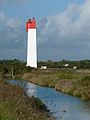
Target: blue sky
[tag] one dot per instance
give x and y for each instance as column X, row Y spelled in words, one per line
column 63, row 28
column 37, row 8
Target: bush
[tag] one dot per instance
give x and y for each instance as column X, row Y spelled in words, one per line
column 86, row 78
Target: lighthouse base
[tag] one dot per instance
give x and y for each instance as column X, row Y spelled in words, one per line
column 31, row 66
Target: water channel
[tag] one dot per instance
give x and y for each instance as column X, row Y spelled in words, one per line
column 62, row 106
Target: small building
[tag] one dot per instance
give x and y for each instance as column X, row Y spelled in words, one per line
column 43, row 67
column 66, row 65
column 75, row 67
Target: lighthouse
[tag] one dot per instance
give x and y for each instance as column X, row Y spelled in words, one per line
column 31, row 43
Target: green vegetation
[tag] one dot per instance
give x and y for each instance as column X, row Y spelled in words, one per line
column 82, row 64
column 75, row 82
column 68, row 81
column 13, row 69
column 15, row 105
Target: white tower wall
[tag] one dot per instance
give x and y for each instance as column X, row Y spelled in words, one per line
column 31, row 48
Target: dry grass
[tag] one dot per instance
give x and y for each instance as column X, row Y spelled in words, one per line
column 70, row 82
column 15, row 105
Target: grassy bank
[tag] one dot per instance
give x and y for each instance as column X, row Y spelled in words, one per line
column 76, row 83
column 15, row 105
column 68, row 81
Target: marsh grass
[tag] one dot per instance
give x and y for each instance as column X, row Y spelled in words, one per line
column 15, row 105
column 67, row 81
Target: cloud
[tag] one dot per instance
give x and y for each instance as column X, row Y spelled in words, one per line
column 13, row 23
column 12, row 37
column 13, row 54
column 2, row 16
column 62, row 36
column 67, row 34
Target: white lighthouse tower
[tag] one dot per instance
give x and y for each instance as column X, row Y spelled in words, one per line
column 31, row 43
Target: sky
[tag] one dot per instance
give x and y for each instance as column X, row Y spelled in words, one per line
column 63, row 28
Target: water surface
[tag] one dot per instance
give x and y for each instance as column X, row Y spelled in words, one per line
column 62, row 106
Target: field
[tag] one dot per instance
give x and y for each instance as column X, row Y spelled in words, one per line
column 68, row 80
column 15, row 105
column 73, row 82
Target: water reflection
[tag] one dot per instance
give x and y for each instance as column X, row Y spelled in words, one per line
column 62, row 106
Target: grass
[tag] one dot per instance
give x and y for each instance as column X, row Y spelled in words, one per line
column 68, row 81
column 15, row 105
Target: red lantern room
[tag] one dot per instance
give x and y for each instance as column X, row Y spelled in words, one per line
column 30, row 24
